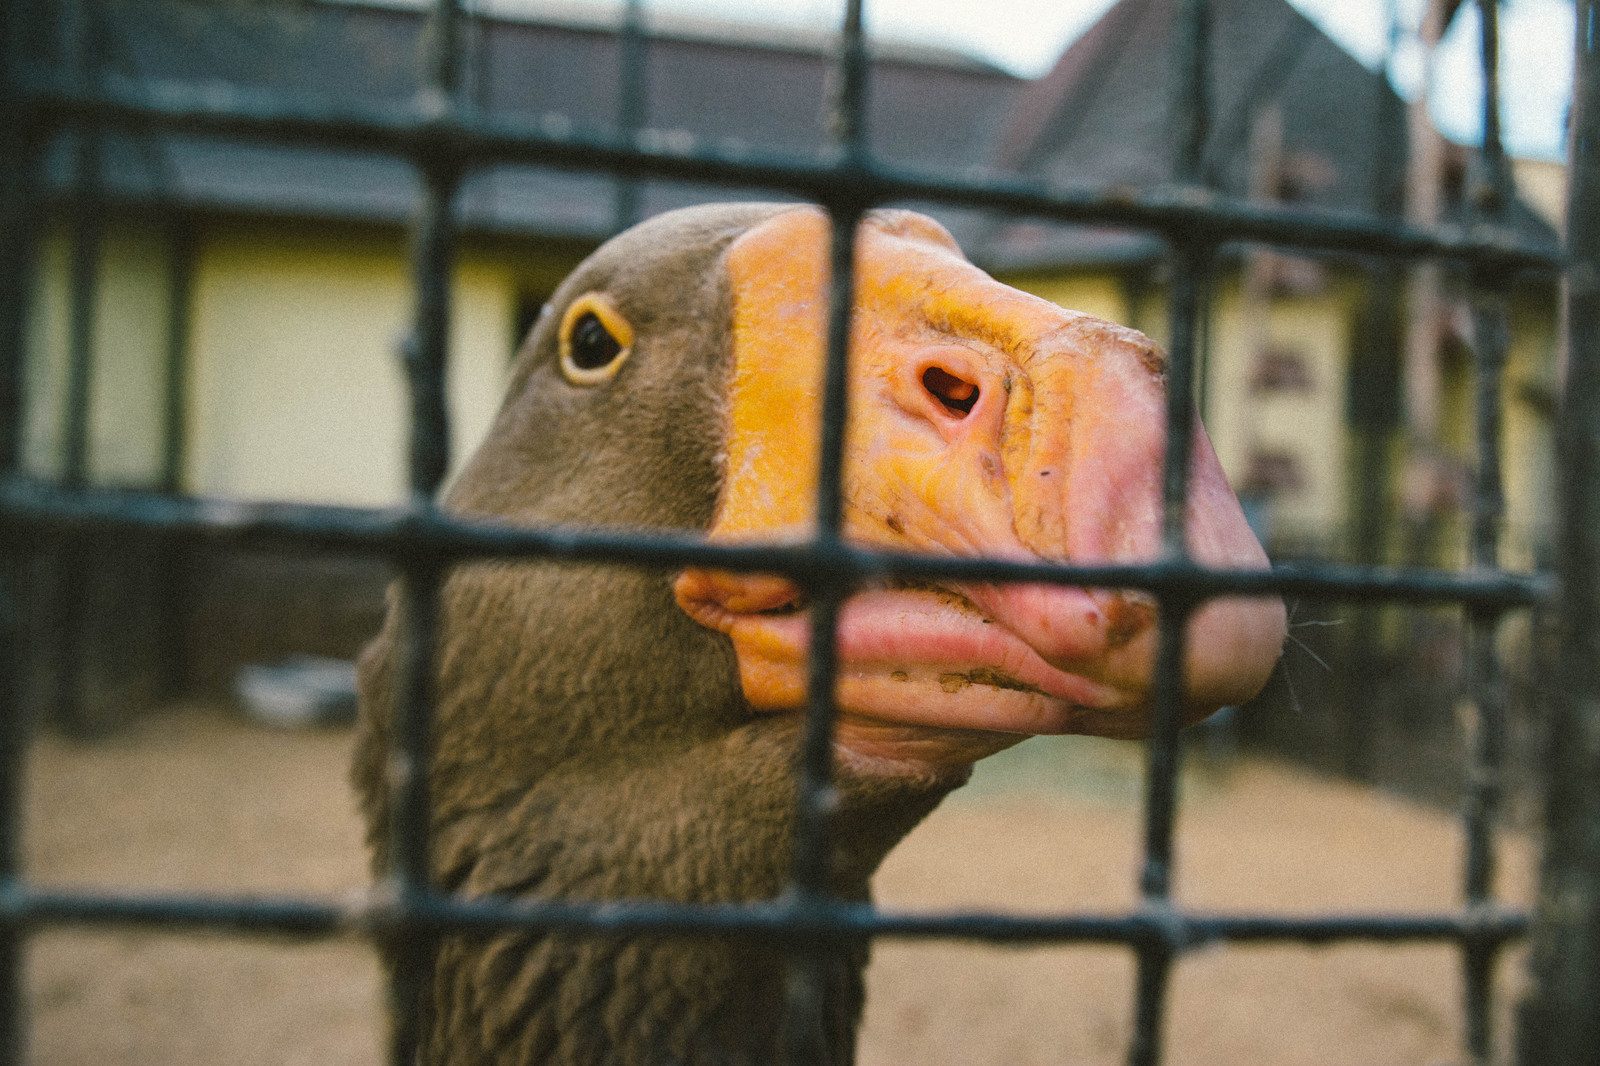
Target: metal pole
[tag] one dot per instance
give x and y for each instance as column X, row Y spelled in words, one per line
column 18, row 226
column 1373, row 408
column 630, row 106
column 176, row 558
column 1559, row 1024
column 425, row 352
column 1491, row 302
column 1190, row 261
column 803, row 1038
column 74, row 565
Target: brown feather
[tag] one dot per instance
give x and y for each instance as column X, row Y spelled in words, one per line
column 591, row 741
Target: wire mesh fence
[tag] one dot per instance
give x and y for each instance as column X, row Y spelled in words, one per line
column 445, row 140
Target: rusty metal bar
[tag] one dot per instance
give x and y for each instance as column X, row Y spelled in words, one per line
column 1559, row 1024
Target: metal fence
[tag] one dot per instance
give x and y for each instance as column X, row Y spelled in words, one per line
column 444, row 141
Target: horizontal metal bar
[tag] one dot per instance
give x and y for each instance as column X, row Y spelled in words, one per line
column 34, row 506
column 378, row 913
column 473, row 139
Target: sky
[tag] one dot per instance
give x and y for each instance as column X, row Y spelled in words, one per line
column 1026, row 36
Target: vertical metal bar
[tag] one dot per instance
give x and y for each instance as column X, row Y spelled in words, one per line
column 1559, row 1024
column 73, row 562
column 173, row 664
column 1189, row 262
column 1189, row 114
column 1163, row 750
column 18, row 222
column 1373, row 411
column 426, row 353
column 17, row 232
column 88, row 228
column 816, row 778
column 82, row 59
column 410, row 949
column 1484, row 678
column 1494, row 178
column 175, row 396
column 804, row 1034
column 1485, row 689
column 630, row 106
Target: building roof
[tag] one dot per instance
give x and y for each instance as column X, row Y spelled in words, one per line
column 765, row 88
column 1101, row 117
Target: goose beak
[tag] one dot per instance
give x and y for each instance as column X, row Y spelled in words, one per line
column 983, row 421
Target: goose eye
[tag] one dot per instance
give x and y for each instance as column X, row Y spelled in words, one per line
column 595, row 340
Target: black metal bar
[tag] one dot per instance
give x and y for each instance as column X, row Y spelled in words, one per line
column 19, row 223
column 426, row 352
column 1485, row 683
column 1162, row 756
column 821, row 920
column 803, row 1037
column 410, row 950
column 87, row 237
column 433, row 262
column 1485, row 686
column 174, row 560
column 1494, row 175
column 27, row 505
column 1190, row 259
column 180, row 317
column 553, row 141
column 18, row 230
column 71, row 563
column 630, row 105
column 1164, row 749
column 1558, row 1024
column 1373, row 409
column 1188, row 90
column 13, row 757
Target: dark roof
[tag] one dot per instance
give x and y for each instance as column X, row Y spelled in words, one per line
column 1103, row 116
column 1100, row 117
column 764, row 88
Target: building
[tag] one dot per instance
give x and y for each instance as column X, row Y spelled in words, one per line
column 240, row 336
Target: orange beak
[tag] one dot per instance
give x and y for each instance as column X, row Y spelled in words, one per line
column 983, row 421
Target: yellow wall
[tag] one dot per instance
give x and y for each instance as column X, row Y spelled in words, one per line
column 1542, row 185
column 1308, row 425
column 128, row 378
column 1528, row 458
column 297, row 390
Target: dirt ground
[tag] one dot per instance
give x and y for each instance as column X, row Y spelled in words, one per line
column 199, row 799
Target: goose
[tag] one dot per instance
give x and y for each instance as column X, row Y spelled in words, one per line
column 609, row 732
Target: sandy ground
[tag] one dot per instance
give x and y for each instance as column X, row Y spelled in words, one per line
column 198, row 799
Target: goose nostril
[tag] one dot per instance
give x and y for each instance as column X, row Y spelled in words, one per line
column 958, row 396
